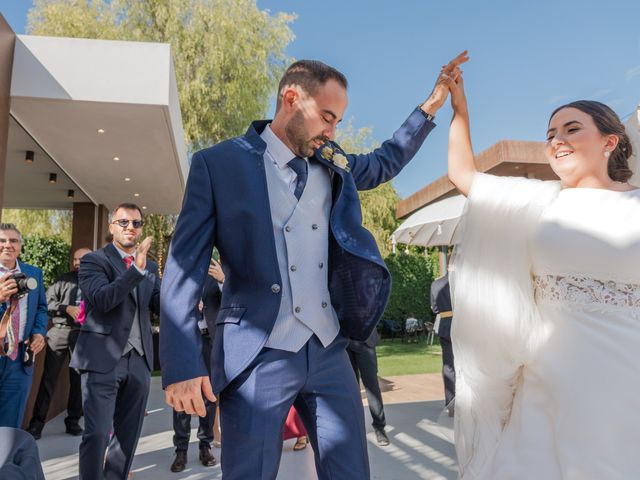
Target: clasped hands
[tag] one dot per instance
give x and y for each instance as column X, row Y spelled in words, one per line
column 449, row 79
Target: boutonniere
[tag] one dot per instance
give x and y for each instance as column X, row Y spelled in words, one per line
column 336, row 156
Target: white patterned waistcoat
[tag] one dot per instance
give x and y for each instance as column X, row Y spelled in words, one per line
column 301, row 233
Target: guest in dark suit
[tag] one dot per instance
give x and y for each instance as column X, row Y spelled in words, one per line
column 27, row 322
column 365, row 365
column 301, row 276
column 114, row 352
column 63, row 300
column 441, row 305
column 209, row 306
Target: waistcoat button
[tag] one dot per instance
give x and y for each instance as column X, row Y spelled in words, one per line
column 314, row 226
column 287, row 228
column 275, row 288
column 293, row 268
column 324, row 304
column 298, row 309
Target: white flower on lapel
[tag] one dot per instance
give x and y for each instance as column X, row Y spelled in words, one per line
column 339, row 160
column 336, row 157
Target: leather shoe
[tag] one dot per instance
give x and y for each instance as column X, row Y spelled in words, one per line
column 75, row 430
column 382, row 438
column 180, row 462
column 206, row 457
column 35, row 433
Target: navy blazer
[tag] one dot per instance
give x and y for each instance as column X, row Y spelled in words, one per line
column 108, row 292
column 37, row 314
column 226, row 204
column 441, row 302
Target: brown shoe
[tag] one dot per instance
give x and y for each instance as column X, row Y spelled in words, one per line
column 180, row 463
column 206, row 457
column 301, row 444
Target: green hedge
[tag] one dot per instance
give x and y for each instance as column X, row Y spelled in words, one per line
column 411, row 274
column 49, row 253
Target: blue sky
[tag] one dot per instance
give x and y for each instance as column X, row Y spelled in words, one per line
column 526, row 59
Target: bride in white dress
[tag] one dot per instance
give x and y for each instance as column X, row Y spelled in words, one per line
column 547, row 301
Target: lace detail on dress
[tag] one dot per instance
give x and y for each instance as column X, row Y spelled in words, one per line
column 586, row 291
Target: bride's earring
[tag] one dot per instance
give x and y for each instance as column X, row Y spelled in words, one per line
column 607, row 153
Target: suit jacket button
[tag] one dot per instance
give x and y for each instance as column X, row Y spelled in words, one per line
column 293, row 268
column 275, row 288
column 298, row 309
column 287, row 228
column 324, row 304
column 314, row 226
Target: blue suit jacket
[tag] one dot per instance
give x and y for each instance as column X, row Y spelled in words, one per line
column 107, row 289
column 37, row 313
column 226, row 204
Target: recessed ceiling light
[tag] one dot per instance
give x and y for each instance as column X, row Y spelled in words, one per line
column 136, row 194
column 53, row 178
column 70, row 193
column 101, row 130
column 116, row 159
column 28, row 157
column 144, row 207
column 127, row 179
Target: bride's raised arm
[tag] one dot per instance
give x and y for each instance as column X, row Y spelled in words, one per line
column 461, row 164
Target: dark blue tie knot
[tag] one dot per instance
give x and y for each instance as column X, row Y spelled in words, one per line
column 299, row 165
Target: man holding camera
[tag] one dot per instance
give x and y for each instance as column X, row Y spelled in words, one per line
column 23, row 308
column 63, row 300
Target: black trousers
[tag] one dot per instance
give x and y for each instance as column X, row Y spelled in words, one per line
column 182, row 421
column 365, row 365
column 448, row 370
column 114, row 404
column 61, row 340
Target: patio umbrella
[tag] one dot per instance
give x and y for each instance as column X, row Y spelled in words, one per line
column 433, row 225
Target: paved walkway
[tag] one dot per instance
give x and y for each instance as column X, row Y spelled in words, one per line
column 421, row 446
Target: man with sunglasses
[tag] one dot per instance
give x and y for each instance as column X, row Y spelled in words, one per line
column 114, row 352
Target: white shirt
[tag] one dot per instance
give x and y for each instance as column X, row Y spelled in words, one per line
column 134, row 255
column 279, row 155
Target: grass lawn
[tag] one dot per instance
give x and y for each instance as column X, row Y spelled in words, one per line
column 397, row 358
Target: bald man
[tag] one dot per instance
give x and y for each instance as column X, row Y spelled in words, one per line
column 63, row 299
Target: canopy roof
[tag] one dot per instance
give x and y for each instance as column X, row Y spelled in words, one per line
column 103, row 115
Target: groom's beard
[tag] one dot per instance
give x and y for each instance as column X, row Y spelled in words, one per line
column 298, row 136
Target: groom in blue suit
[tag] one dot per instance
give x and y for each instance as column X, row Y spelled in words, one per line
column 302, row 277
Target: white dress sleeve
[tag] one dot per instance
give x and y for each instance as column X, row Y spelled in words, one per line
column 494, row 310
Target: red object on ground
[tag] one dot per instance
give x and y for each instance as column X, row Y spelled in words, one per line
column 293, row 427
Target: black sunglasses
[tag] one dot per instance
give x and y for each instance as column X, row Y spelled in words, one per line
column 125, row 223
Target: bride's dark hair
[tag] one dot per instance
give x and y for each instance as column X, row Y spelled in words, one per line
column 608, row 123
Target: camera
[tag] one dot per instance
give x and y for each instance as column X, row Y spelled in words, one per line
column 25, row 284
column 29, row 357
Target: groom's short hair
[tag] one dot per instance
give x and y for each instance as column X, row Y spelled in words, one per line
column 310, row 75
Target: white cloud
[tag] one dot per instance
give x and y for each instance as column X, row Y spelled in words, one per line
column 632, row 73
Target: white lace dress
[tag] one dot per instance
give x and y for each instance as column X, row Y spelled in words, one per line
column 576, row 410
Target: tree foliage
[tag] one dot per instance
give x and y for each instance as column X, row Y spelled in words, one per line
column 160, row 227
column 41, row 222
column 228, row 57
column 49, row 253
column 411, row 275
column 228, row 54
